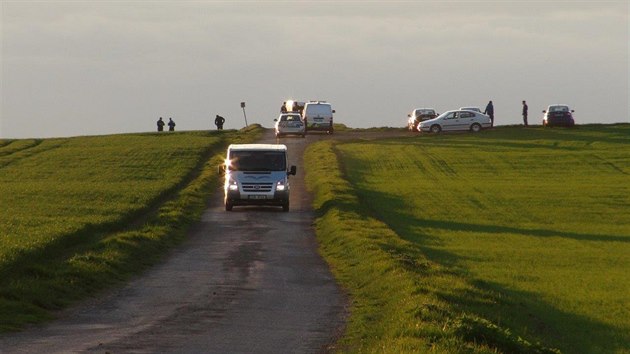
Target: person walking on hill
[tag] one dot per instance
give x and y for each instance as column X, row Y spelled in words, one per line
column 525, row 113
column 160, row 124
column 490, row 112
column 171, row 125
column 218, row 121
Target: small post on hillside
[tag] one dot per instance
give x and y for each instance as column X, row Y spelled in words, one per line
column 244, row 115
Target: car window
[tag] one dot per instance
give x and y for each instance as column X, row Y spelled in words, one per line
column 451, row 115
column 558, row 109
column 466, row 114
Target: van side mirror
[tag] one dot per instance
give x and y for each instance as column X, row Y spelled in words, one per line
column 334, row 111
column 221, row 170
column 292, row 171
column 572, row 111
column 544, row 111
column 409, row 115
column 275, row 119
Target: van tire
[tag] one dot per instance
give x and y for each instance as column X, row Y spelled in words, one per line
column 228, row 206
column 285, row 207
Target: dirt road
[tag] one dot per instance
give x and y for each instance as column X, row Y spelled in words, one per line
column 246, row 281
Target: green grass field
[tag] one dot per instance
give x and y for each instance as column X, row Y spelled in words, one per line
column 79, row 214
column 512, row 240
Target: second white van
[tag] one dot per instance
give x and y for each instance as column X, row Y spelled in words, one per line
column 318, row 116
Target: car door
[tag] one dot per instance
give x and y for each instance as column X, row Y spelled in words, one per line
column 449, row 122
column 466, row 119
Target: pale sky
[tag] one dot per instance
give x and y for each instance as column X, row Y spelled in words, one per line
column 103, row 67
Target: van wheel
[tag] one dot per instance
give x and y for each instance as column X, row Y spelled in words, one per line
column 285, row 206
column 475, row 128
column 436, row 129
column 228, row 206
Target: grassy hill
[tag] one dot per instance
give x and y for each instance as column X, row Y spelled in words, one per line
column 79, row 214
column 513, row 240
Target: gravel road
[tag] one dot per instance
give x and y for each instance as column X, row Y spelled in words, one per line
column 246, row 281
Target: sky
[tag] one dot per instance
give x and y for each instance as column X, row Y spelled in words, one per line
column 73, row 68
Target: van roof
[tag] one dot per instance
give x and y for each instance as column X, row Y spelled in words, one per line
column 249, row 147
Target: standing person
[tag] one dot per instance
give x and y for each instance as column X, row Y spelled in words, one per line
column 160, row 124
column 524, row 112
column 218, row 121
column 171, row 125
column 490, row 112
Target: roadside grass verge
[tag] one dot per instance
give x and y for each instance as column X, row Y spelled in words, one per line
column 81, row 214
column 397, row 302
column 512, row 240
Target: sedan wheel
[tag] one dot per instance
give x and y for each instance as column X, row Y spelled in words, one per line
column 475, row 128
column 436, row 129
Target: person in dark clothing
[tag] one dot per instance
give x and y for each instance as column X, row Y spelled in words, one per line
column 490, row 112
column 283, row 108
column 160, row 124
column 218, row 121
column 525, row 113
column 171, row 125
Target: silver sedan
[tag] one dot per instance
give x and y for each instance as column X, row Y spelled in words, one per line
column 290, row 123
column 456, row 120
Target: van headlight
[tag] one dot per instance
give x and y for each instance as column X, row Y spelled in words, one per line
column 232, row 185
column 280, row 186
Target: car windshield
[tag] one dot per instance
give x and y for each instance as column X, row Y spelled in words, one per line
column 424, row 112
column 257, row 161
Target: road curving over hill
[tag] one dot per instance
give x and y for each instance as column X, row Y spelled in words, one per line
column 246, row 281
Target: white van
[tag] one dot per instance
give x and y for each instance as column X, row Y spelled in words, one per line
column 256, row 174
column 318, row 115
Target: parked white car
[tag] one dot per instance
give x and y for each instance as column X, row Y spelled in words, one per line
column 456, row 120
column 290, row 123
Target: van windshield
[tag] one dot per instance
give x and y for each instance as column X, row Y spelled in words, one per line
column 258, row 161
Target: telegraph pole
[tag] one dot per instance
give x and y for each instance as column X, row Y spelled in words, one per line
column 244, row 115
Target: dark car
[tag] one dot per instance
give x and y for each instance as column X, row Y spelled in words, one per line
column 418, row 115
column 558, row 115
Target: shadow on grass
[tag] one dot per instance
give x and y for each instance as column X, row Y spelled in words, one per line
column 518, row 313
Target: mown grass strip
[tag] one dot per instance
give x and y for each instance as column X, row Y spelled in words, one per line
column 397, row 294
column 46, row 265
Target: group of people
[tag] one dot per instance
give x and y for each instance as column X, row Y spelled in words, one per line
column 161, row 124
column 218, row 121
column 490, row 112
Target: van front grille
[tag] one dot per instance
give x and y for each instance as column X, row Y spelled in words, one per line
column 257, row 187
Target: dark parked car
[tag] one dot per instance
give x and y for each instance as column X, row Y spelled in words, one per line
column 558, row 115
column 418, row 115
